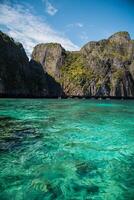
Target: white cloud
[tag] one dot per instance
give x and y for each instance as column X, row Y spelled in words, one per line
column 29, row 29
column 77, row 24
column 50, row 9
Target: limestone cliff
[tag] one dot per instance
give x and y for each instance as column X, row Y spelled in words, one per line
column 18, row 76
column 51, row 56
column 103, row 68
column 13, row 67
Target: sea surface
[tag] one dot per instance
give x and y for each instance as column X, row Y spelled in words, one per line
column 66, row 149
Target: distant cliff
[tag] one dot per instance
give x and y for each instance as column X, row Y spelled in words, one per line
column 102, row 69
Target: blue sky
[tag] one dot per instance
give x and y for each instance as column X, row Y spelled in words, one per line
column 69, row 22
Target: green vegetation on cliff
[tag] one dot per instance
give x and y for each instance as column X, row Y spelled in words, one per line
column 75, row 69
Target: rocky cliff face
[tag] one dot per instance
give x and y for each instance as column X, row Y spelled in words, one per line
column 103, row 68
column 111, row 63
column 18, row 76
column 13, row 67
column 51, row 56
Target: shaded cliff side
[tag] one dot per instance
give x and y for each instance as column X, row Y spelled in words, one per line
column 18, row 76
column 104, row 68
column 13, row 67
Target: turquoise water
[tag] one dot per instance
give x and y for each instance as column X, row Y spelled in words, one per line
column 66, row 149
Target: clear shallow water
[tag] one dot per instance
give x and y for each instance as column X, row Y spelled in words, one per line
column 66, row 149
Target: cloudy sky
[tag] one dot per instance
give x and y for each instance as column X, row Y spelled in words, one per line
column 69, row 22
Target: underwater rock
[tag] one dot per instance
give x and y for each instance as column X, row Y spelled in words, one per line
column 84, row 168
column 90, row 189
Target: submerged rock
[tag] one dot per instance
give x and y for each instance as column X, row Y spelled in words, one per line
column 89, row 189
column 86, row 169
